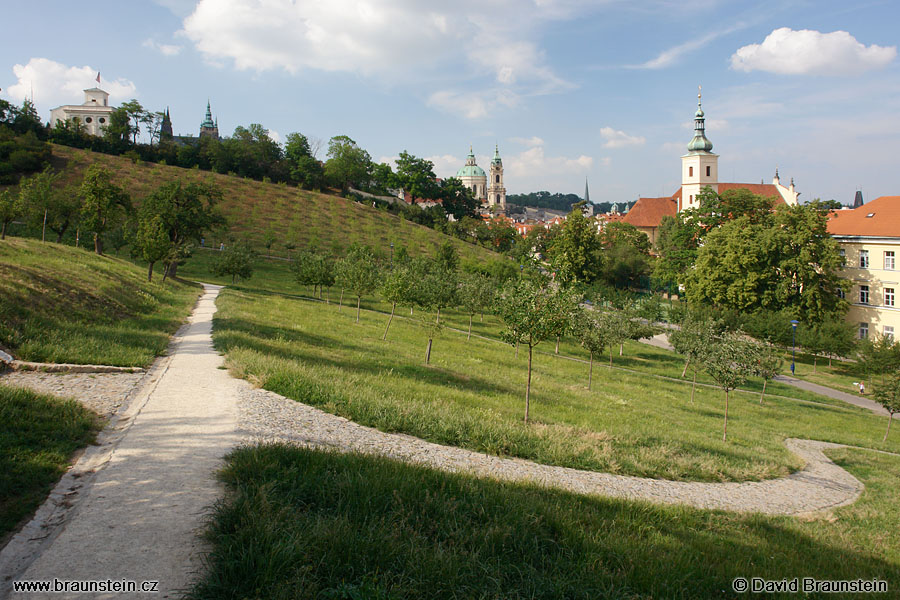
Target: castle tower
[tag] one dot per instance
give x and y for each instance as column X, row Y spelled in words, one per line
column 496, row 193
column 165, row 128
column 699, row 167
column 209, row 128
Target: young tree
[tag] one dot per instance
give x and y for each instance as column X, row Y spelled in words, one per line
column 810, row 338
column 532, row 313
column 398, row 287
column 358, row 272
column 879, row 356
column 137, row 115
column 888, row 395
column 151, row 242
column 839, row 338
column 236, row 260
column 10, row 208
column 105, row 204
column 691, row 341
column 576, row 252
column 435, row 290
column 596, row 331
column 729, row 361
column 475, row 293
column 768, row 365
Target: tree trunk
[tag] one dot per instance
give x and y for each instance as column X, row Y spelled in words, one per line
column 890, row 418
column 341, row 303
column 482, row 316
column 232, row 278
column 393, row 306
column 437, row 319
column 150, row 273
column 59, row 237
column 517, row 349
column 357, row 308
column 98, row 243
column 763, row 395
column 528, row 386
column 684, row 370
column 693, row 386
column 610, row 357
column 815, row 361
column 3, row 231
column 621, row 348
column 725, row 430
column 44, row 231
column 591, row 371
column 428, row 353
column 173, row 269
column 77, row 237
column 557, row 345
column 829, row 361
column 469, row 335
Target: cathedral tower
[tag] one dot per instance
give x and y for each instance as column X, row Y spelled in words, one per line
column 699, row 167
column 209, row 128
column 496, row 193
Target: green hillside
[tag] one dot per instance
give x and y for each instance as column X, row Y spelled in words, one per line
column 64, row 304
column 253, row 209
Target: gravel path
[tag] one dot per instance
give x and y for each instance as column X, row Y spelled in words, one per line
column 268, row 417
column 103, row 393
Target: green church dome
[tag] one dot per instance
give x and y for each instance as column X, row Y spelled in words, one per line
column 471, row 171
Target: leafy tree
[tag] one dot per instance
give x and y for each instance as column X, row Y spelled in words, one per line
column 104, row 203
column 119, row 128
column 358, row 272
column 416, row 176
column 691, row 341
column 812, row 339
column 730, row 361
column 398, row 287
column 435, row 289
column 348, row 164
column 475, row 293
column 768, row 365
column 136, row 115
column 888, row 395
column 575, row 252
column 304, row 168
column 269, row 239
column 315, row 269
column 151, row 241
column 635, row 328
column 532, row 313
column 596, row 331
column 677, row 242
column 236, row 260
column 839, row 338
column 10, row 208
column 50, row 204
column 879, row 356
column 457, row 199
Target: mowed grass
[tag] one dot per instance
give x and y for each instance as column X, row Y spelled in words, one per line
column 300, row 523
column 253, row 209
column 38, row 435
column 62, row 304
column 472, row 396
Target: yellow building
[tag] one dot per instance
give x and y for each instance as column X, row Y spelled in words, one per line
column 870, row 243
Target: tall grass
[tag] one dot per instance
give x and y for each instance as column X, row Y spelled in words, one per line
column 299, row 523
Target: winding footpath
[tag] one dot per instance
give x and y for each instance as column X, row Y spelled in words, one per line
column 133, row 507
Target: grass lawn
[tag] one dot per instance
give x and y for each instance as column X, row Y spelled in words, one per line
column 38, row 436
column 472, row 396
column 63, row 304
column 300, row 523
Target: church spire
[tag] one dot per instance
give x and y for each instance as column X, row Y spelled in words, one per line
column 587, row 195
column 208, row 121
column 699, row 143
column 496, row 160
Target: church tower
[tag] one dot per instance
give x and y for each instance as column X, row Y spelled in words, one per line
column 209, row 128
column 496, row 193
column 699, row 167
column 165, row 128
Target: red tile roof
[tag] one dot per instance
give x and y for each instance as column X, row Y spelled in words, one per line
column 648, row 212
column 884, row 222
column 766, row 190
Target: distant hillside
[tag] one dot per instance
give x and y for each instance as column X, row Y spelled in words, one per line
column 253, row 209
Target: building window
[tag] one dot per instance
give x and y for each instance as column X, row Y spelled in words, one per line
column 889, row 260
column 708, row 171
column 889, row 296
column 690, row 171
column 863, row 294
column 88, row 120
column 843, row 254
column 496, row 179
column 102, row 120
column 841, row 294
column 863, row 331
column 863, row 259
column 889, row 332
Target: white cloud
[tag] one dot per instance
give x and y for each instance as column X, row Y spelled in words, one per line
column 619, row 139
column 164, row 49
column 809, row 52
column 532, row 141
column 473, row 105
column 55, row 84
column 534, row 161
column 671, row 56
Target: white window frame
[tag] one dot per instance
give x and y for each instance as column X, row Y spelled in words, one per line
column 863, row 259
column 889, row 332
column 890, row 261
column 863, row 331
column 889, row 296
column 863, row 294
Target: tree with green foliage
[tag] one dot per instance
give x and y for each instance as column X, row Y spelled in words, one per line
column 811, row 338
column 575, row 252
column 150, row 241
column 358, row 272
column 677, row 243
column 839, row 337
column 118, row 130
column 50, row 204
column 416, row 176
column 398, row 286
column 137, row 114
column 475, row 293
column 533, row 313
column 269, row 239
column 888, row 395
column 435, row 289
column 457, row 199
column 10, row 209
column 305, row 170
column 768, row 366
column 313, row 268
column 236, row 260
column 879, row 355
column 348, row 165
column 105, row 204
column 691, row 340
column 596, row 331
column 730, row 360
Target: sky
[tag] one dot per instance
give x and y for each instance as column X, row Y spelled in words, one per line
column 567, row 89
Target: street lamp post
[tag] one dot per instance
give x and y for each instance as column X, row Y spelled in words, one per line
column 794, row 323
column 392, row 254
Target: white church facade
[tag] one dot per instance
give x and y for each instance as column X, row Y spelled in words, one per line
column 489, row 190
column 92, row 116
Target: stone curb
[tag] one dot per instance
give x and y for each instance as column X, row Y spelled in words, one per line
column 21, row 365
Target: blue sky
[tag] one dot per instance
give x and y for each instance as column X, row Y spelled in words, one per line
column 568, row 88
